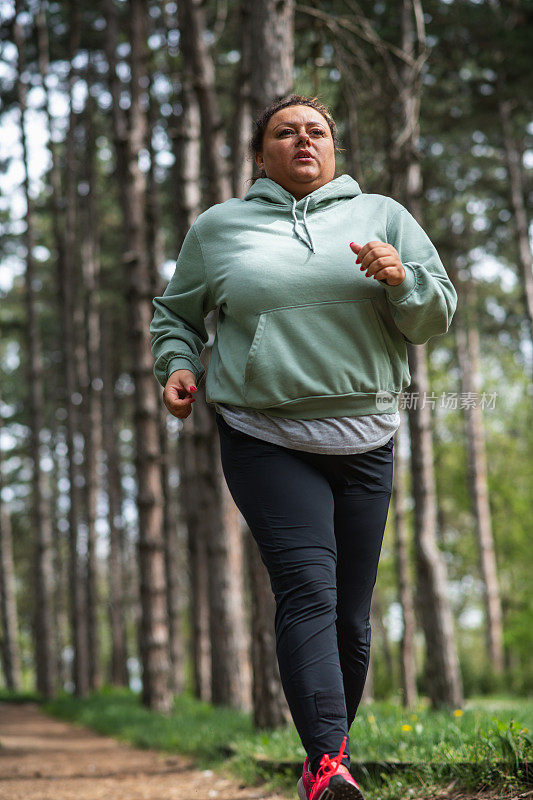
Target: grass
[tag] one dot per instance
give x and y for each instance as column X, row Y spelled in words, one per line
column 480, row 744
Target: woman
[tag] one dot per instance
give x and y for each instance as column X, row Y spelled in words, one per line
column 305, row 372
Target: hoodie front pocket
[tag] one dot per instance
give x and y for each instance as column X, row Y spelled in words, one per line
column 317, row 349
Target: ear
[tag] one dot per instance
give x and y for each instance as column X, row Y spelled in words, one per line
column 259, row 160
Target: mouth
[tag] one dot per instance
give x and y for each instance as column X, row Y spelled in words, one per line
column 303, row 155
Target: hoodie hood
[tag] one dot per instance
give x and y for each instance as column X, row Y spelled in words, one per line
column 265, row 190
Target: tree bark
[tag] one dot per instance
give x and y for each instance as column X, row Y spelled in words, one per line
column 11, row 665
column 196, row 53
column 272, row 45
column 224, row 565
column 89, row 366
column 443, row 676
column 43, row 622
column 222, row 536
column 129, row 139
column 379, row 625
column 115, row 520
column 242, row 128
column 170, row 533
column 516, row 189
column 64, row 237
column 407, row 644
column 191, row 510
column 269, row 706
column 60, row 545
column 185, row 137
column 467, row 340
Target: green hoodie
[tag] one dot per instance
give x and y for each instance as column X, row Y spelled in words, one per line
column 301, row 332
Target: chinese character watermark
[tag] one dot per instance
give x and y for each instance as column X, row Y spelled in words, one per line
column 452, row 400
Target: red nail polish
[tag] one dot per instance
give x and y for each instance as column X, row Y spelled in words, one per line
column 357, row 260
column 192, row 388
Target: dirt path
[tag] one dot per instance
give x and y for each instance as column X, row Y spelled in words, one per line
column 42, row 758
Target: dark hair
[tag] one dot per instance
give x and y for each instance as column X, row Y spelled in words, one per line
column 261, row 122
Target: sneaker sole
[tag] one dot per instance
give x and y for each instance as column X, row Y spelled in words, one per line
column 300, row 788
column 339, row 789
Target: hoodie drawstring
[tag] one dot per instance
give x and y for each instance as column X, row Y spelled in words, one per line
column 296, row 224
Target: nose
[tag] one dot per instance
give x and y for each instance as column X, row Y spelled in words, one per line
column 303, row 137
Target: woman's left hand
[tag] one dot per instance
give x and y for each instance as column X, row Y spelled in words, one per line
column 381, row 261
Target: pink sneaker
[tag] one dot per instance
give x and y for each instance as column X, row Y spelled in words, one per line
column 306, row 781
column 333, row 780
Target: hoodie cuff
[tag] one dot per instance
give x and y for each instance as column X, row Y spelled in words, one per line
column 182, row 362
column 402, row 290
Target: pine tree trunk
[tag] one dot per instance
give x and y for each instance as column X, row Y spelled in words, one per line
column 170, row 533
column 129, row 139
column 224, row 566
column 191, row 510
column 443, row 676
column 272, row 46
column 92, row 407
column 63, row 229
column 514, row 168
column 46, row 678
column 242, row 167
column 379, row 626
column 223, row 545
column 10, row 652
column 60, row 545
column 269, row 706
column 196, row 53
column 115, row 520
column 174, row 577
column 185, row 137
column 407, row 644
column 467, row 339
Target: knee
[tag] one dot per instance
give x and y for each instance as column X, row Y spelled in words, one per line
column 307, row 595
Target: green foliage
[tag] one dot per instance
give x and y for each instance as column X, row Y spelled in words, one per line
column 484, row 742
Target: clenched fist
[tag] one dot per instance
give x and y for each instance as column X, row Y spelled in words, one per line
column 177, row 394
column 381, row 261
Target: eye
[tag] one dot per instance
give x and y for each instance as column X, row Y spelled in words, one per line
column 285, row 130
column 319, row 131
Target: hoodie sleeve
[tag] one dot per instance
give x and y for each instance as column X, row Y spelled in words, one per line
column 424, row 303
column 178, row 331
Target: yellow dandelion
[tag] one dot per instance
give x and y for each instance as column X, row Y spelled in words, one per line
column 371, row 718
column 406, row 728
column 458, row 712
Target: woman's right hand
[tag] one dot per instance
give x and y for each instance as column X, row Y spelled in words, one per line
column 177, row 394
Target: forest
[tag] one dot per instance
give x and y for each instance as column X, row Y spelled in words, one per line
column 124, row 561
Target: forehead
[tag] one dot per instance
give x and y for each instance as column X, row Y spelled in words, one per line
column 297, row 114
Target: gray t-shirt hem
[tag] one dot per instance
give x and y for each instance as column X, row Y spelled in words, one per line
column 330, row 436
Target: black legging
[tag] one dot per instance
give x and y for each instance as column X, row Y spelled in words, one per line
column 318, row 521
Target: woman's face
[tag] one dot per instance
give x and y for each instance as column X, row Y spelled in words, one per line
column 289, row 132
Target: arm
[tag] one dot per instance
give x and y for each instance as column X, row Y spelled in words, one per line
column 424, row 303
column 177, row 328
